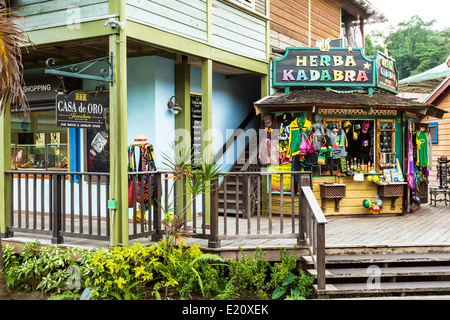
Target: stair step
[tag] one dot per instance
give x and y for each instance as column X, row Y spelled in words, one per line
column 384, row 288
column 231, row 202
column 383, row 258
column 339, row 273
column 230, row 211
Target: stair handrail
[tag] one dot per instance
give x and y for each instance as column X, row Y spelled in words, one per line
column 235, row 134
column 313, row 228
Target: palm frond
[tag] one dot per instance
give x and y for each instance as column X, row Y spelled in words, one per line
column 12, row 36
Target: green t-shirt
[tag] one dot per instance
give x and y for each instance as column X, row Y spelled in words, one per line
column 422, row 149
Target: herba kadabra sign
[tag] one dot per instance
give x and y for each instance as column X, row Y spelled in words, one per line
column 79, row 109
column 324, row 66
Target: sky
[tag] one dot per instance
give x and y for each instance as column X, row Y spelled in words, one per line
column 400, row 10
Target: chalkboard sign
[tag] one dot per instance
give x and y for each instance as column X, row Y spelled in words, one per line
column 196, row 128
column 79, row 109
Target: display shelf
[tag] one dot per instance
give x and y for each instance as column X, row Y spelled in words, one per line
column 392, row 190
column 30, row 157
column 335, row 191
column 39, row 157
column 57, row 157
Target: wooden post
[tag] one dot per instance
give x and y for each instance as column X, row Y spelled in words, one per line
column 5, row 165
column 183, row 124
column 118, row 139
column 207, row 124
column 304, row 180
column 157, row 208
column 321, row 256
column 214, row 241
column 56, row 237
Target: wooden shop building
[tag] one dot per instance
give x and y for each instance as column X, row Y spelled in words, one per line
column 338, row 116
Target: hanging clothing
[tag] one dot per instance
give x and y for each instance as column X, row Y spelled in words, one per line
column 284, row 123
column 268, row 147
column 297, row 127
column 430, row 156
column 146, row 163
column 410, row 175
column 422, row 149
column 338, row 143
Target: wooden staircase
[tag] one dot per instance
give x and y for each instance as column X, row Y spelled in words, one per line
column 228, row 189
column 391, row 274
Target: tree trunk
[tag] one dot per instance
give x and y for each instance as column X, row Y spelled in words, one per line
column 4, row 291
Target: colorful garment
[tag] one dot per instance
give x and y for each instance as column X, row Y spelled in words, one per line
column 295, row 134
column 422, row 149
column 338, row 144
column 146, row 163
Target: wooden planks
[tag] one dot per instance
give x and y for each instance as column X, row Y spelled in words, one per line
column 46, row 14
column 291, row 19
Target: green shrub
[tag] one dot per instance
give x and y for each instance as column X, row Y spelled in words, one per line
column 288, row 281
column 159, row 271
column 38, row 267
column 247, row 278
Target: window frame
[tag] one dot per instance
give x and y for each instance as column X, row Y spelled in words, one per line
column 248, row 4
column 434, row 139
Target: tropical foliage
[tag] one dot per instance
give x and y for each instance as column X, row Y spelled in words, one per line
column 141, row 272
column 12, row 37
column 414, row 44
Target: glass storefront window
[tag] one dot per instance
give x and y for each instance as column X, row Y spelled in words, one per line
column 37, row 143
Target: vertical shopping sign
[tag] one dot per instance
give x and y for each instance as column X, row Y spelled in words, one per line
column 196, row 128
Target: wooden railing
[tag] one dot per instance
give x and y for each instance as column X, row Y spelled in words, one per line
column 314, row 232
column 60, row 204
column 74, row 204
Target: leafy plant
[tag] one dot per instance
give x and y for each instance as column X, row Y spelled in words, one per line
column 39, row 267
column 288, row 281
column 247, row 278
column 195, row 180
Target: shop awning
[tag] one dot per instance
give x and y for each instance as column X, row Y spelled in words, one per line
column 334, row 99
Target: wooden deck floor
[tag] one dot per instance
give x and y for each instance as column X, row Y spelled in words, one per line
column 430, row 226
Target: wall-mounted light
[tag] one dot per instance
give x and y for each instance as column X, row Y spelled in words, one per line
column 174, row 106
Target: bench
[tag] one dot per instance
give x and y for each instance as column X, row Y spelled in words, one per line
column 434, row 192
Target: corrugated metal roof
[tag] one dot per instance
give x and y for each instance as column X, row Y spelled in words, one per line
column 439, row 72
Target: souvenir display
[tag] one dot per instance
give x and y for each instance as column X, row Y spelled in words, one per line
column 145, row 184
column 367, row 203
column 284, row 122
column 268, row 147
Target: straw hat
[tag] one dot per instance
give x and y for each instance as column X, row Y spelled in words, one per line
column 443, row 159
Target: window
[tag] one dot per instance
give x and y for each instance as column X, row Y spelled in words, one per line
column 37, row 143
column 433, row 129
column 250, row 4
column 357, row 148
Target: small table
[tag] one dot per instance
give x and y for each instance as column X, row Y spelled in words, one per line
column 334, row 191
column 435, row 191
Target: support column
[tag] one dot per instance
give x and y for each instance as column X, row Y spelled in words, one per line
column 207, row 124
column 118, row 139
column 183, row 122
column 5, row 165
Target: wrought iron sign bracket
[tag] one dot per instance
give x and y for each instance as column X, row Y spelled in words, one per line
column 80, row 70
